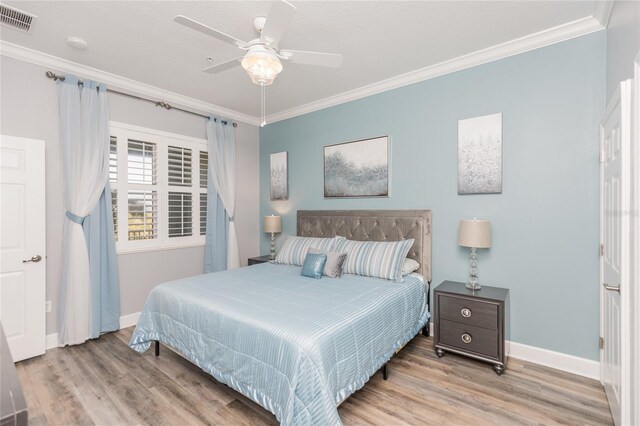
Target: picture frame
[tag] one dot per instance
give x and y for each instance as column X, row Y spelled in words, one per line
column 357, row 169
column 480, row 155
column 279, row 176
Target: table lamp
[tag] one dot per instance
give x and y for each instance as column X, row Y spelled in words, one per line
column 474, row 234
column 273, row 225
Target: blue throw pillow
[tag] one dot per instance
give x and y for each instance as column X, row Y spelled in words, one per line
column 313, row 265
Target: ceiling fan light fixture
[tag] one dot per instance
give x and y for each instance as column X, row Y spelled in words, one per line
column 262, row 65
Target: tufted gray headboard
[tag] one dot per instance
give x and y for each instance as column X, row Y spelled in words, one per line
column 373, row 225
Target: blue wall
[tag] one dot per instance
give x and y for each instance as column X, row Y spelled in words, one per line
column 545, row 222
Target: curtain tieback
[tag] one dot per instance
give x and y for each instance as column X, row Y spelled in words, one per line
column 75, row 218
column 230, row 218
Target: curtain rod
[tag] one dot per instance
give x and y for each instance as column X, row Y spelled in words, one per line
column 162, row 104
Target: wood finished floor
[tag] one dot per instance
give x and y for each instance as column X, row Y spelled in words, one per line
column 104, row 382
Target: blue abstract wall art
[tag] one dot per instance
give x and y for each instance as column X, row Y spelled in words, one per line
column 357, row 169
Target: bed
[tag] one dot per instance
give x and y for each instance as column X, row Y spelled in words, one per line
column 297, row 346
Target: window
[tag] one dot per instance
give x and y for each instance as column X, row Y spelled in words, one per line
column 155, row 192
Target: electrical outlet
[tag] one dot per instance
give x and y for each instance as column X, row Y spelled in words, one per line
column 47, row 306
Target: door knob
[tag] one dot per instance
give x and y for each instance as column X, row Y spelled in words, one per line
column 35, row 259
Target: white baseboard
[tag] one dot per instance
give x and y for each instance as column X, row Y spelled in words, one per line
column 51, row 340
column 569, row 363
column 129, row 320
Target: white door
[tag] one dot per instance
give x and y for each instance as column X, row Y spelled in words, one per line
column 22, row 245
column 615, row 140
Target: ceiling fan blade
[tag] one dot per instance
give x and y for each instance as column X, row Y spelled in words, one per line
column 194, row 25
column 223, row 66
column 280, row 16
column 331, row 60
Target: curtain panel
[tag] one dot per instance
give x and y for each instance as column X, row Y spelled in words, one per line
column 84, row 148
column 103, row 267
column 222, row 179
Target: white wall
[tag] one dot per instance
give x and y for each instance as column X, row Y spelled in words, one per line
column 623, row 42
column 29, row 108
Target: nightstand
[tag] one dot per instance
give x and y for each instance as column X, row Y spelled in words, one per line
column 258, row 259
column 472, row 323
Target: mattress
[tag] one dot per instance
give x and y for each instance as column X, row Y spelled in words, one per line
column 295, row 345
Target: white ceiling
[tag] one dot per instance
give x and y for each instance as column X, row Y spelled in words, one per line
column 378, row 39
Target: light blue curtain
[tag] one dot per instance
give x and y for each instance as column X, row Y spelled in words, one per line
column 216, row 241
column 103, row 267
column 222, row 180
column 215, row 249
column 89, row 289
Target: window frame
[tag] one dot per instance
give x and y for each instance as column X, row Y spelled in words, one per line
column 123, row 132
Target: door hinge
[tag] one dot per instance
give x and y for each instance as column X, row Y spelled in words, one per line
column 601, row 249
column 601, row 342
column 601, row 156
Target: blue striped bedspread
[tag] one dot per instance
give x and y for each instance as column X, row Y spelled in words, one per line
column 295, row 345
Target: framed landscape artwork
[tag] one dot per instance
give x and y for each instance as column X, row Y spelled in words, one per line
column 279, row 176
column 357, row 169
column 480, row 155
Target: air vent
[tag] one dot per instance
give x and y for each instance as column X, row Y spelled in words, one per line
column 16, row 18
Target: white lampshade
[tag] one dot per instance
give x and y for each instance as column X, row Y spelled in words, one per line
column 474, row 233
column 262, row 65
column 272, row 224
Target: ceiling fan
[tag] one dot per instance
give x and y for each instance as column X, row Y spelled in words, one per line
column 262, row 59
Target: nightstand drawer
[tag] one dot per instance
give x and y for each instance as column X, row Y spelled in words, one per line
column 469, row 338
column 465, row 311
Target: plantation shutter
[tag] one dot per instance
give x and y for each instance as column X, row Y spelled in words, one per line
column 113, row 180
column 180, row 203
column 180, row 214
column 142, row 203
column 179, row 166
column 204, row 165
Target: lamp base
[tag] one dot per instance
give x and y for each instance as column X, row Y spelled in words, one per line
column 272, row 253
column 473, row 273
column 474, row 287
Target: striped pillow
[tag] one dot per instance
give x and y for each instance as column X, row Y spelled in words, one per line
column 295, row 249
column 381, row 259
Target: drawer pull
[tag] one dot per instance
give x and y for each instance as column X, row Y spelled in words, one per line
column 466, row 338
column 466, row 312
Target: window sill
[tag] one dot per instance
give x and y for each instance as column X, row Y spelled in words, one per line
column 163, row 248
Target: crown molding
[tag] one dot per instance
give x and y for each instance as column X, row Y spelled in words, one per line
column 126, row 85
column 527, row 43
column 543, row 38
column 602, row 12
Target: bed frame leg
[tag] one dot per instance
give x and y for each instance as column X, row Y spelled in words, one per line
column 157, row 348
column 425, row 330
column 385, row 372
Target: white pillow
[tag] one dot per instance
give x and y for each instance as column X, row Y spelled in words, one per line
column 381, row 259
column 295, row 249
column 409, row 266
